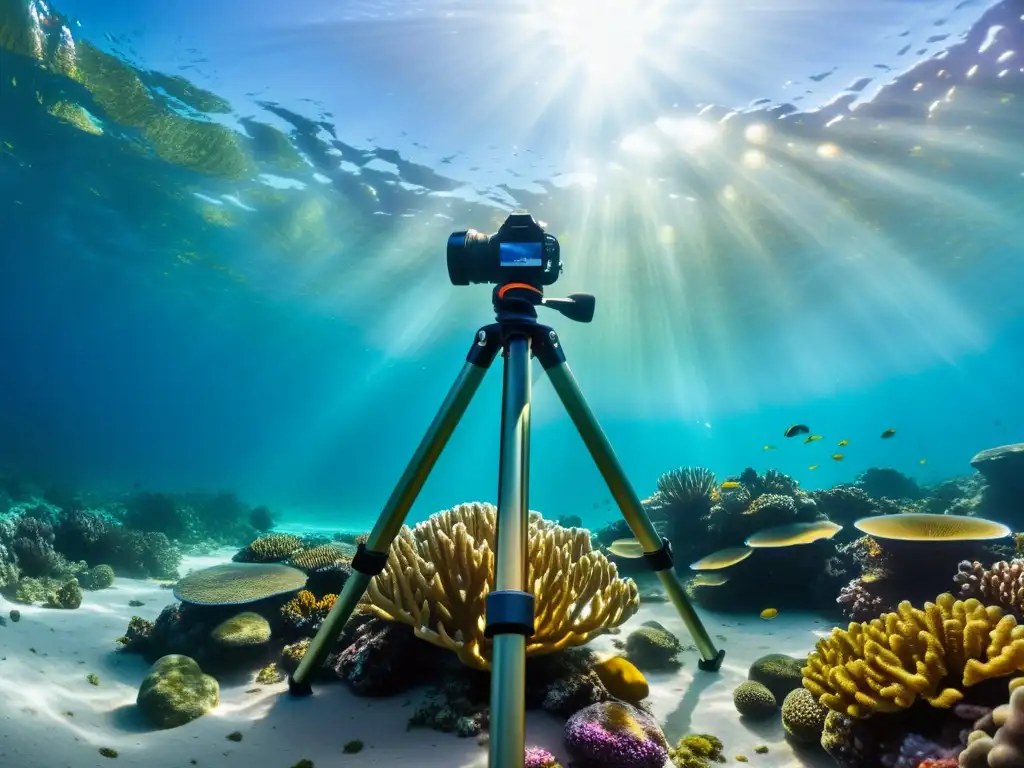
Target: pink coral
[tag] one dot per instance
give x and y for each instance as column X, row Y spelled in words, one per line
column 540, row 758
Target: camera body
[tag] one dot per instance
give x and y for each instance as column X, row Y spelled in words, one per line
column 519, row 252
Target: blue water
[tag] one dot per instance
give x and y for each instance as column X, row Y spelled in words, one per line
column 296, row 354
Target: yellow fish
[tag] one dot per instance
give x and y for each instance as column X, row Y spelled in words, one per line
column 626, row 548
column 812, row 438
column 814, row 466
column 923, row 461
column 730, row 484
column 768, row 448
column 769, row 613
column 841, row 443
column 837, row 456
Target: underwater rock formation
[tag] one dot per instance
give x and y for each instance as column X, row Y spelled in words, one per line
column 1003, row 468
column 615, row 735
column 382, row 659
column 175, row 691
column 888, row 483
column 446, row 562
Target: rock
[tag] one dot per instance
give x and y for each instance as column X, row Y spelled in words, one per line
column 1003, row 468
column 244, row 630
column 614, row 734
column 176, row 692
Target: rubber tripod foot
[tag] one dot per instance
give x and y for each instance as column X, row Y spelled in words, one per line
column 301, row 689
column 705, row 665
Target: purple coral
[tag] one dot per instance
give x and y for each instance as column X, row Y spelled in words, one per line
column 540, row 758
column 613, row 734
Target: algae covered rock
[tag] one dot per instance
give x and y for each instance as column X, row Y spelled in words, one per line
column 614, row 734
column 803, row 717
column 176, row 691
column 653, row 647
column 779, row 673
column 754, row 700
column 245, row 630
column 68, row 595
column 100, row 577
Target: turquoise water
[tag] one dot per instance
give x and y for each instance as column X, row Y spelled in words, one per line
column 223, row 255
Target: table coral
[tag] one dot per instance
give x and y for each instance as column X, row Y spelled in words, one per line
column 440, row 572
column 886, row 664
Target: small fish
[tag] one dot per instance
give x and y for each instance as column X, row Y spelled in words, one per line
column 769, row 613
column 709, row 579
column 629, row 548
column 796, row 429
column 729, row 485
column 768, row 448
column 812, row 438
column 814, row 466
column 888, row 433
column 922, row 461
column 841, row 443
column 838, row 456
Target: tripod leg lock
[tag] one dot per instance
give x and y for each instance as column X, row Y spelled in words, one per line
column 368, row 562
column 509, row 612
column 662, row 559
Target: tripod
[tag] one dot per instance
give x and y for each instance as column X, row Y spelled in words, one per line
column 509, row 608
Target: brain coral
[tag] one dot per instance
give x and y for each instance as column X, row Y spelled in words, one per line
column 886, row 664
column 238, row 583
column 439, row 573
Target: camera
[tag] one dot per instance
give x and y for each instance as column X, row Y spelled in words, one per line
column 519, row 252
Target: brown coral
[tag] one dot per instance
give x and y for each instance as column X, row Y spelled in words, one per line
column 440, row 572
column 272, row 548
column 886, row 664
column 1002, row 584
column 305, row 613
column 317, row 558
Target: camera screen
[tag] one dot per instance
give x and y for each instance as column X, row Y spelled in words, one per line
column 520, row 254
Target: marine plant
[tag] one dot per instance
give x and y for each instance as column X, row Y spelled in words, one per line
column 887, row 664
column 440, row 572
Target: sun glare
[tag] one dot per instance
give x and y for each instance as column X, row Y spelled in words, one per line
column 605, row 38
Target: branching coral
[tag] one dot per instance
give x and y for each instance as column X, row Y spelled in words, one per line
column 305, row 613
column 886, row 664
column 1002, row 584
column 440, row 572
column 860, row 603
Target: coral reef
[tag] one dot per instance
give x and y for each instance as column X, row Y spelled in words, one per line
column 885, row 665
column 304, row 613
column 383, row 658
column 271, row 548
column 615, row 735
column 540, row 758
column 860, row 600
column 438, row 576
column 887, row 483
column 244, row 630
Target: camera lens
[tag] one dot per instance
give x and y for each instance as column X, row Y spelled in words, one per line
column 471, row 258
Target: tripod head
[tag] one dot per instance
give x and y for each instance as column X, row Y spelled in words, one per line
column 518, row 301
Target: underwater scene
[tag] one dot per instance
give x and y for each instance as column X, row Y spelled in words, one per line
column 607, row 384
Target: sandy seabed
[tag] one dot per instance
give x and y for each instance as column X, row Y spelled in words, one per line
column 51, row 716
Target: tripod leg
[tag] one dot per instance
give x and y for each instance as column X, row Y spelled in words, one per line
column 510, row 606
column 371, row 557
column 656, row 551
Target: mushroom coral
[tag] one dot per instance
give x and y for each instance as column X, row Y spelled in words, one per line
column 439, row 573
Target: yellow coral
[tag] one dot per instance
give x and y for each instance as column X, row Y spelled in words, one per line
column 885, row 664
column 439, row 573
column 304, row 609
